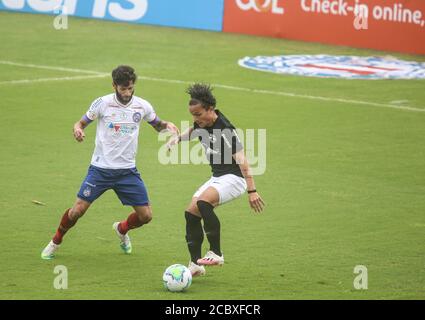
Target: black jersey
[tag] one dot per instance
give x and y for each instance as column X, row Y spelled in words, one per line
column 220, row 142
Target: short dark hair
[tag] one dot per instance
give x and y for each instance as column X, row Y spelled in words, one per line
column 201, row 93
column 123, row 75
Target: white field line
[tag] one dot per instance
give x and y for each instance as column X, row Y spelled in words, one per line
column 11, row 63
column 259, row 91
column 24, row 81
column 295, row 95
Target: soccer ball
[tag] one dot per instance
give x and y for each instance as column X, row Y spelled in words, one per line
column 177, row 277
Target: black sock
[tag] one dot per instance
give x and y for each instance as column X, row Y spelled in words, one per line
column 194, row 236
column 211, row 225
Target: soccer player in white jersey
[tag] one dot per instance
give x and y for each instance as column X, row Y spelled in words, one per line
column 231, row 176
column 113, row 165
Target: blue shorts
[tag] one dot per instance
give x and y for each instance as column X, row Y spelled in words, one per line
column 127, row 184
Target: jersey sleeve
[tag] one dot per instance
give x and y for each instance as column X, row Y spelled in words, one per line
column 231, row 140
column 150, row 115
column 95, row 110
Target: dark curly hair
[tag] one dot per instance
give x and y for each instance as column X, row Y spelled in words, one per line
column 201, row 93
column 123, row 75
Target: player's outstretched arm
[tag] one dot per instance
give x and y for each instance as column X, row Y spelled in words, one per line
column 175, row 139
column 78, row 130
column 166, row 125
column 255, row 200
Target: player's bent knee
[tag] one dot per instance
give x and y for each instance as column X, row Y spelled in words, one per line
column 189, row 214
column 206, row 200
column 193, row 208
column 203, row 204
column 79, row 209
column 147, row 218
column 77, row 212
column 145, row 215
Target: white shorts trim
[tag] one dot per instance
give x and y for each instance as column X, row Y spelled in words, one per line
column 229, row 187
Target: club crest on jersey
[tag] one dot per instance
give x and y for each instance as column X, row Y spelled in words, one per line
column 137, row 117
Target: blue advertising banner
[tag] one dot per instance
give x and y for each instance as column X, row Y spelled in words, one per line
column 196, row 14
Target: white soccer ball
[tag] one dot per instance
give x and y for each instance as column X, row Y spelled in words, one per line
column 177, row 277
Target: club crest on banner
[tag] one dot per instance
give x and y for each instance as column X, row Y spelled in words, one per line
column 328, row 66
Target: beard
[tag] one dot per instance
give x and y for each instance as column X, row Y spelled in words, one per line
column 121, row 99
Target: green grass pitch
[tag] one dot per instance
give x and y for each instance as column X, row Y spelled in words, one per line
column 344, row 184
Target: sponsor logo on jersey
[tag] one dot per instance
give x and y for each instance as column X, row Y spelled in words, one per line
column 121, row 129
column 327, row 66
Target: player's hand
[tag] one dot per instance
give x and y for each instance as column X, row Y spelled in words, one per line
column 174, row 140
column 256, row 202
column 171, row 127
column 79, row 134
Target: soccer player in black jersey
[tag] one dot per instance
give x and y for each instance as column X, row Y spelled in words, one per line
column 231, row 176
